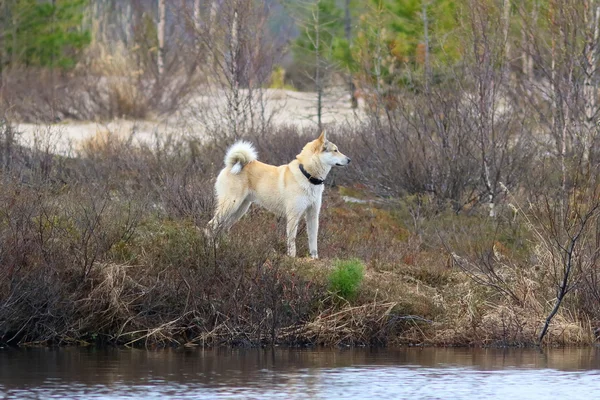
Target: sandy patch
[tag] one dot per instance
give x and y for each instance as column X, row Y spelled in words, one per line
column 286, row 107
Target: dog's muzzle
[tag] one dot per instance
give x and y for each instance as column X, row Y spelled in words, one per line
column 348, row 162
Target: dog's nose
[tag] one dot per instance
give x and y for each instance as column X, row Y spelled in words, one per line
column 348, row 160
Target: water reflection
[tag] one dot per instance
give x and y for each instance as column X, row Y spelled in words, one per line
column 290, row 373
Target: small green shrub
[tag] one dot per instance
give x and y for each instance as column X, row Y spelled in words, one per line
column 278, row 79
column 346, row 278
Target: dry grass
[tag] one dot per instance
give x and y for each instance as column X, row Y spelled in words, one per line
column 368, row 324
column 107, row 248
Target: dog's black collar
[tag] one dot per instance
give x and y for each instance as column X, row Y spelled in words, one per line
column 311, row 179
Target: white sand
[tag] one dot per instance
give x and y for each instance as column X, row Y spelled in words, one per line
column 287, row 107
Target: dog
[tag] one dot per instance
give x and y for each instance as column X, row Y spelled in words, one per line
column 292, row 190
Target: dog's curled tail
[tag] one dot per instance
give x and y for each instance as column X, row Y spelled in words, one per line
column 238, row 155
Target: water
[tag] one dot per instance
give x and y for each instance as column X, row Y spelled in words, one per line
column 412, row 373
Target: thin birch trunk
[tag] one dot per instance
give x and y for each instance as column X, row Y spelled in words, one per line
column 197, row 15
column 211, row 19
column 348, row 33
column 211, row 29
column 505, row 31
column 590, row 85
column 318, row 63
column 161, row 37
column 526, row 41
column 557, row 129
column 426, row 38
column 235, row 78
column 534, row 17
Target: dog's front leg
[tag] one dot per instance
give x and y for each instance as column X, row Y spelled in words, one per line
column 292, row 229
column 312, row 227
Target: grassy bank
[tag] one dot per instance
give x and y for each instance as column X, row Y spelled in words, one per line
column 106, row 247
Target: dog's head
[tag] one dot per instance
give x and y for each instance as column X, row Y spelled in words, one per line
column 327, row 152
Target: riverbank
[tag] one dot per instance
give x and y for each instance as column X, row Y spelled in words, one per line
column 107, row 248
column 162, row 284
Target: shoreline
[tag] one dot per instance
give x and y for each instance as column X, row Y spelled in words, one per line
column 108, row 247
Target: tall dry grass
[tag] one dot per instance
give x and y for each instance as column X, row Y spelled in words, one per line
column 106, row 247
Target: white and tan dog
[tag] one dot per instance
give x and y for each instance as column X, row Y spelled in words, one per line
column 290, row 190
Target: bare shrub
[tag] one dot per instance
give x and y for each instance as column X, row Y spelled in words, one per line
column 240, row 55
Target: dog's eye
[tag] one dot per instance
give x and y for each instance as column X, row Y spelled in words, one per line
column 335, row 150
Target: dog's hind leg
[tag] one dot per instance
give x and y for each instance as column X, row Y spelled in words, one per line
column 228, row 212
column 239, row 213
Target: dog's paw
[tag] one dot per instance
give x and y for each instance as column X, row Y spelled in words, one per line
column 314, row 256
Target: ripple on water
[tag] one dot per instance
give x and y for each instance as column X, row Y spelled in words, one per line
column 294, row 374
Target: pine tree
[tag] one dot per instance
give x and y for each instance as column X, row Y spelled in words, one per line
column 46, row 34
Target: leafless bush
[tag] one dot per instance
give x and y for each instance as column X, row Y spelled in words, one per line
column 37, row 94
column 240, row 55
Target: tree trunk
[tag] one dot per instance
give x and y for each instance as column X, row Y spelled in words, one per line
column 318, row 64
column 526, row 41
column 128, row 23
column 211, row 31
column 161, row 37
column 211, row 19
column 558, row 124
column 3, row 46
column 505, row 31
column 590, row 85
column 235, row 73
column 348, row 33
column 426, row 38
column 534, row 17
column 197, row 15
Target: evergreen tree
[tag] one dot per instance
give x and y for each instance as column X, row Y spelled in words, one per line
column 45, row 34
column 321, row 24
column 414, row 21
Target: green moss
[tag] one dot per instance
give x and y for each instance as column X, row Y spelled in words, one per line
column 346, row 278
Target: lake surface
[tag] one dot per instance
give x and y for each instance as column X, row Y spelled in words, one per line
column 411, row 373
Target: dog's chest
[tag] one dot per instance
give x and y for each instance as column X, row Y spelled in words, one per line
column 312, row 195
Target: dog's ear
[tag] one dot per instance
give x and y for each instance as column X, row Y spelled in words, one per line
column 319, row 144
column 323, row 137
